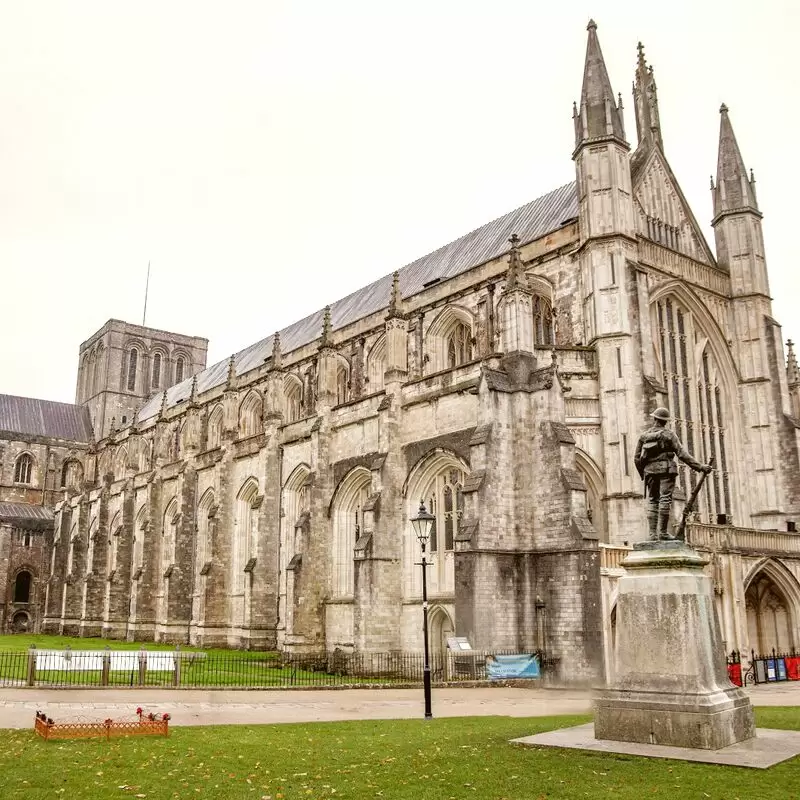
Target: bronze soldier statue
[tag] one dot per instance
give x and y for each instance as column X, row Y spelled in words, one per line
column 655, row 456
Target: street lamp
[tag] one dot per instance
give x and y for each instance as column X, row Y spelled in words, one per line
column 422, row 525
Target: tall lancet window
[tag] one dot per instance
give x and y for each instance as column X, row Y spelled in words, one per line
column 696, row 401
column 543, row 328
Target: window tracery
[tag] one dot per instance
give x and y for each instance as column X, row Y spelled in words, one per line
column 459, row 345
column 23, row 469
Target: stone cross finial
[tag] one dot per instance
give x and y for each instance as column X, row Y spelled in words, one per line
column 326, row 326
column 277, row 356
column 792, row 370
column 517, row 279
column 395, row 298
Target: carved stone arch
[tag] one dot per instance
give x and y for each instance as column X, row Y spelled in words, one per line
column 120, row 463
column 437, row 479
column 105, row 463
column 177, row 357
column 243, row 546
column 541, row 286
column 293, row 397
column 214, row 426
column 343, row 369
column 376, row 365
column 26, row 468
column 450, row 338
column 71, row 473
column 596, row 490
column 709, row 326
column 441, row 627
column 251, row 413
column 776, row 624
column 159, row 358
column 347, row 513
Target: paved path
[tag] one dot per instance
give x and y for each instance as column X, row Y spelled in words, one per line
column 202, row 707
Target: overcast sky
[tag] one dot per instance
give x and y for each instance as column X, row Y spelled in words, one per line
column 270, row 157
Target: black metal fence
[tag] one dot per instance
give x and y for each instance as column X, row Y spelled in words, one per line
column 240, row 669
column 765, row 668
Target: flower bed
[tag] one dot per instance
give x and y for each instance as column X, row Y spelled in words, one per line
column 145, row 725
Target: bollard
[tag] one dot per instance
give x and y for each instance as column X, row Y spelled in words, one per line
column 176, row 675
column 106, row 667
column 142, row 666
column 31, row 677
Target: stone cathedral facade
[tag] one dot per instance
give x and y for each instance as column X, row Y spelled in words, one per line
column 503, row 379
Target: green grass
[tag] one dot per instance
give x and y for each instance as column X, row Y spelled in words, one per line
column 217, row 669
column 397, row 760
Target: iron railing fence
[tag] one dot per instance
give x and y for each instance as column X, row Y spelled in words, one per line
column 763, row 668
column 235, row 669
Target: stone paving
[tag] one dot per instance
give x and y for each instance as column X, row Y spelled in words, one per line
column 206, row 707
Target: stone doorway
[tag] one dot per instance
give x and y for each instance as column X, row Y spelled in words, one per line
column 771, row 619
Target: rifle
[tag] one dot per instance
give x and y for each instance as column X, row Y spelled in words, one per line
column 689, row 507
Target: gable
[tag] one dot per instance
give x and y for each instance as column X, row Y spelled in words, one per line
column 663, row 214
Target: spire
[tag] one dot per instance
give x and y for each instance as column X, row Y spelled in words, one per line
column 645, row 103
column 193, row 391
column 277, row 356
column 792, row 370
column 599, row 115
column 231, row 372
column 516, row 279
column 395, row 298
column 326, row 328
column 162, row 412
column 733, row 192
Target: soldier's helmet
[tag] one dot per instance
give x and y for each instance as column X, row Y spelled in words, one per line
column 661, row 413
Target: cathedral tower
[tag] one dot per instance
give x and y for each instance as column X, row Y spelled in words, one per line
column 608, row 284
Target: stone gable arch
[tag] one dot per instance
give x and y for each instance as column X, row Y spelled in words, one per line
column 772, row 605
column 347, row 514
column 450, row 338
column 251, row 414
column 376, row 365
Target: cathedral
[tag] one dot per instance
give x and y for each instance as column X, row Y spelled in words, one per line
column 503, row 380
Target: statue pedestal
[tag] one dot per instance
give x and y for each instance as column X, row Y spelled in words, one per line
column 670, row 684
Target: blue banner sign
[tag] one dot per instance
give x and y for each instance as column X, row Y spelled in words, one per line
column 505, row 667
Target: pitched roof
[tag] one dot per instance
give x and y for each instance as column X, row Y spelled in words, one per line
column 529, row 222
column 12, row 512
column 33, row 417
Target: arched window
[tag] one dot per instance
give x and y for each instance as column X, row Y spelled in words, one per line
column 439, row 481
column 71, row 474
column 376, row 366
column 22, row 587
column 214, row 438
column 543, row 325
column 348, row 523
column 155, row 379
column 250, row 415
column 139, row 530
column 293, row 391
column 342, row 384
column 695, row 399
column 98, row 365
column 180, row 365
column 459, row 345
column 23, row 469
column 133, row 362
column 244, row 545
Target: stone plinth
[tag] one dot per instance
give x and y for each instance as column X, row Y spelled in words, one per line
column 670, row 684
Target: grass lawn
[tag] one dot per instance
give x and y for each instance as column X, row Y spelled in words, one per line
column 217, row 667
column 397, row 760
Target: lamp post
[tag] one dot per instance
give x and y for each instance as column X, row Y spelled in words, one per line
column 422, row 525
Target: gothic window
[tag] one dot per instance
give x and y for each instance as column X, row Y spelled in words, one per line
column 133, row 361
column 348, row 524
column 342, row 385
column 543, row 327
column 376, row 366
column 769, row 616
column 71, row 474
column 169, row 535
column 215, row 428
column 244, row 535
column 294, row 399
column 459, row 345
column 23, row 469
column 22, row 587
column 250, row 414
column 439, row 482
column 179, row 369
column 696, row 401
column 155, row 379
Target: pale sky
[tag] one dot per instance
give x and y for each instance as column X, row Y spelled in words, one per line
column 270, row 157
